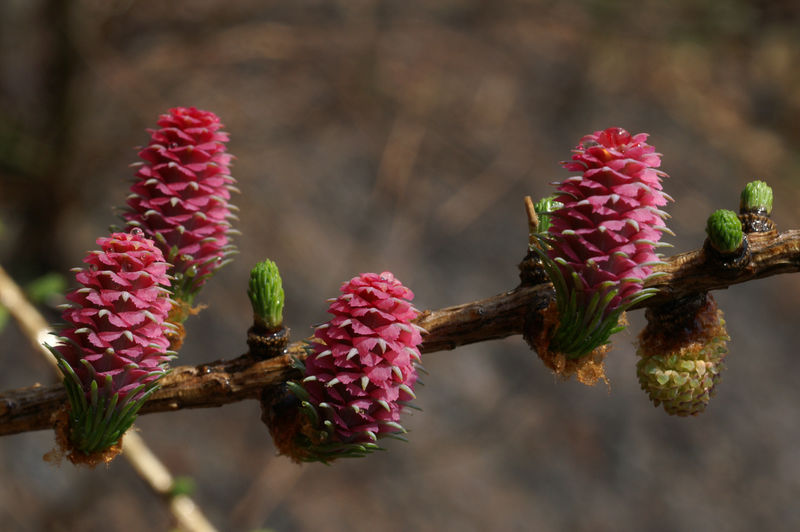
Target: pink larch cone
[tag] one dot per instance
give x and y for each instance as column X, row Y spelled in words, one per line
column 114, row 347
column 181, row 197
column 360, row 371
column 610, row 221
column 602, row 240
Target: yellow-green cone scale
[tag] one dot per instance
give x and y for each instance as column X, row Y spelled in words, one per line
column 681, row 356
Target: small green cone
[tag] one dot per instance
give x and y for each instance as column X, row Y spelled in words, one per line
column 756, row 198
column 724, row 231
column 266, row 295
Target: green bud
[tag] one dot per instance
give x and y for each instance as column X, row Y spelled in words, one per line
column 724, row 231
column 544, row 207
column 756, row 197
column 266, row 294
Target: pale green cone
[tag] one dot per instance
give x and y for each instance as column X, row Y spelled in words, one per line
column 681, row 354
column 724, row 231
column 683, row 381
column 756, row 197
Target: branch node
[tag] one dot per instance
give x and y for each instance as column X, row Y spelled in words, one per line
column 729, row 264
column 267, row 343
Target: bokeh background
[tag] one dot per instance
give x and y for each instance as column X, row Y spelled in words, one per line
column 374, row 135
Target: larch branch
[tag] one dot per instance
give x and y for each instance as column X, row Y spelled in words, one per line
column 226, row 381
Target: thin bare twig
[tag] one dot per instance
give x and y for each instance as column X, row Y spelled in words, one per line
column 533, row 220
column 187, row 514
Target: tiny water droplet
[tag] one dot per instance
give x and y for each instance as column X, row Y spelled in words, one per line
column 136, row 231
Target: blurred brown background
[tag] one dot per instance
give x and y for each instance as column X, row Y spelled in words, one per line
column 376, row 135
